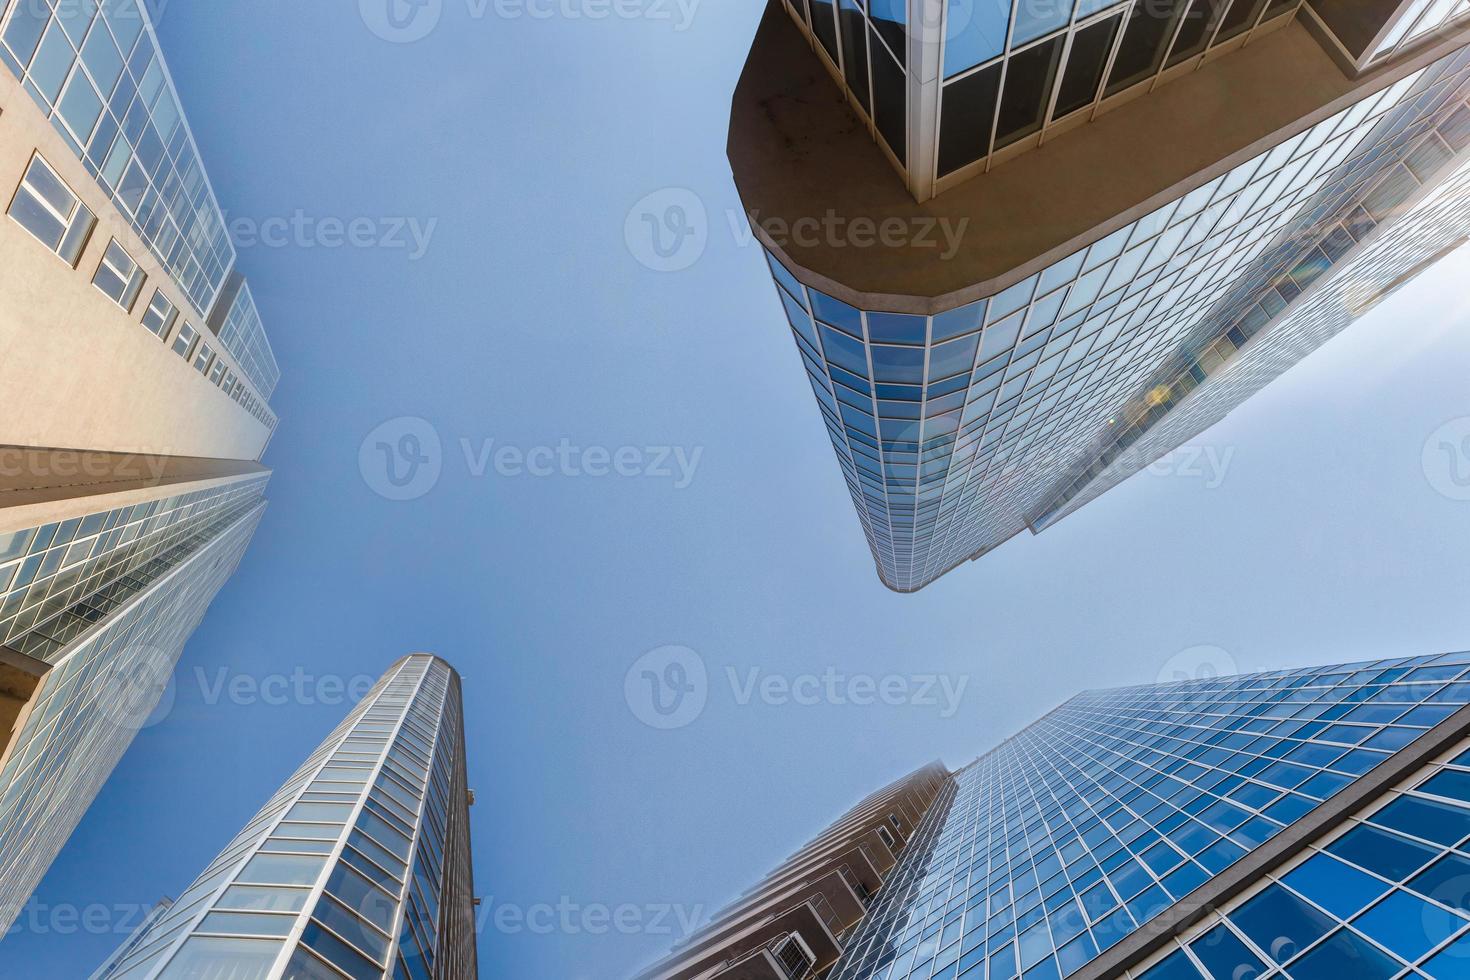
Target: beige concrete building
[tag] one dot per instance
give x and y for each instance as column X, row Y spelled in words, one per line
column 998, row 229
column 135, row 378
column 793, row 925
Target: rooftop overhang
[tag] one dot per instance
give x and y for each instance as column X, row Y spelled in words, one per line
column 819, row 192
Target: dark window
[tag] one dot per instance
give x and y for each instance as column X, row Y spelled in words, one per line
column 1148, row 33
column 891, row 17
column 1195, row 32
column 855, row 52
column 890, row 102
column 969, row 111
column 1028, row 90
column 824, row 25
column 1242, row 17
column 1090, row 49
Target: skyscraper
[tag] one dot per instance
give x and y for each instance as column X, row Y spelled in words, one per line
column 798, row 916
column 1010, row 240
column 359, row 866
column 135, row 376
column 1215, row 829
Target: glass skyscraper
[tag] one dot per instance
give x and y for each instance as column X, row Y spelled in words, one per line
column 135, row 381
column 1303, row 824
column 358, row 867
column 980, row 358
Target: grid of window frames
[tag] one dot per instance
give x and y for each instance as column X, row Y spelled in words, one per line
column 1012, row 67
column 80, row 726
column 96, row 71
column 1422, row 18
column 357, row 868
column 244, row 336
column 1172, row 413
column 1389, row 890
column 1075, row 833
column 867, row 42
column 45, row 570
column 951, row 429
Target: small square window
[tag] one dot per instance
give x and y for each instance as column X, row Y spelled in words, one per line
column 119, row 276
column 44, row 206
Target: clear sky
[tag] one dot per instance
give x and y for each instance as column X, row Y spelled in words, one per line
column 1314, row 536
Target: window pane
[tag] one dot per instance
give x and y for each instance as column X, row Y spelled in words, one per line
column 969, row 111
column 824, row 25
column 281, row 869
column 1028, row 90
column 975, row 32
column 1036, row 18
column 1241, row 17
column 222, row 959
column 890, row 98
column 1089, row 56
column 1195, row 32
column 1149, row 30
column 35, row 218
column 855, row 52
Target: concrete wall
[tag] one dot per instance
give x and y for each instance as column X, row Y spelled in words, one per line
column 76, row 372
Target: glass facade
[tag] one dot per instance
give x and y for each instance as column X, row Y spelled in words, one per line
column 96, row 70
column 358, row 867
column 243, row 336
column 955, row 430
column 1075, row 834
column 46, row 570
column 1419, row 20
column 1181, row 409
column 110, row 653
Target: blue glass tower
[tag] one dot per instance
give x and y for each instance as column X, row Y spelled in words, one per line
column 1301, row 825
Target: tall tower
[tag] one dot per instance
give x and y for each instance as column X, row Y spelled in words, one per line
column 359, row 866
column 802, row 913
column 1009, row 240
column 1219, row 829
column 135, row 376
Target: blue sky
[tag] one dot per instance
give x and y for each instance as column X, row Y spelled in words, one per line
column 523, row 143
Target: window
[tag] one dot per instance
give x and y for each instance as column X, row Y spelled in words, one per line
column 1028, row 90
column 184, row 342
column 118, row 276
column 1090, row 49
column 203, row 359
column 44, row 206
column 217, row 375
column 229, row 382
column 160, row 315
